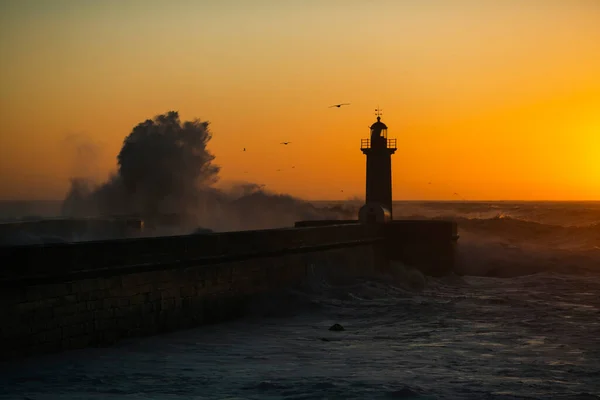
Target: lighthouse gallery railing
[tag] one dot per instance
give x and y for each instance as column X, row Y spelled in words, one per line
column 366, row 144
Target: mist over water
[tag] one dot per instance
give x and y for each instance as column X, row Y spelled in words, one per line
column 519, row 238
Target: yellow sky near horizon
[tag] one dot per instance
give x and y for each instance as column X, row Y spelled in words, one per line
column 489, row 99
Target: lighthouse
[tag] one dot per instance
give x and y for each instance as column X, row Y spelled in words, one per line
column 378, row 149
column 428, row 245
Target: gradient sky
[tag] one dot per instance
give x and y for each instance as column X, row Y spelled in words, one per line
column 488, row 99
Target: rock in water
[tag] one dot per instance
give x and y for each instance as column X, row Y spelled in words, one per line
column 336, row 328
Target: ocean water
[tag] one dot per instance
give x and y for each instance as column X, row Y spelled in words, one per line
column 520, row 320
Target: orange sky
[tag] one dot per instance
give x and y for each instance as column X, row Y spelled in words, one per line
column 490, row 99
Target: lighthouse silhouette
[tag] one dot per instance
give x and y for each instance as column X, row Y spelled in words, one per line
column 378, row 149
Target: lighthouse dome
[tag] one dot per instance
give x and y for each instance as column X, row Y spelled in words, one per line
column 378, row 125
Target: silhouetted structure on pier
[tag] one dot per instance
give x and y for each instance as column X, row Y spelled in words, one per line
column 379, row 150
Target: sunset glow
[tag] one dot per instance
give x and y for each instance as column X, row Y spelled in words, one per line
column 488, row 99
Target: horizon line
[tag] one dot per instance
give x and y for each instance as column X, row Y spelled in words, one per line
column 395, row 200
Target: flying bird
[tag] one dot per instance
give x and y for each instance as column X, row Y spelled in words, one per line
column 339, row 105
column 286, row 143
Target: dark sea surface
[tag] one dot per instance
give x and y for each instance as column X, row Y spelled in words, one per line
column 521, row 320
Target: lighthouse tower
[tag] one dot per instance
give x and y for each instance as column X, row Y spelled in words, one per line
column 378, row 149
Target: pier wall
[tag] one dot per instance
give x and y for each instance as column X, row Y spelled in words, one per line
column 66, row 296
column 428, row 245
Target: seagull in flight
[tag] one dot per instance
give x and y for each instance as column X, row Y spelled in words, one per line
column 339, row 105
column 286, row 143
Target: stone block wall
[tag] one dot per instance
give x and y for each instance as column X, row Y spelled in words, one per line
column 22, row 262
column 78, row 305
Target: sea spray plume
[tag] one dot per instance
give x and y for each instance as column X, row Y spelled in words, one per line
column 83, row 155
column 236, row 190
column 261, row 209
column 347, row 209
column 165, row 176
column 163, row 163
column 79, row 200
column 163, row 167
